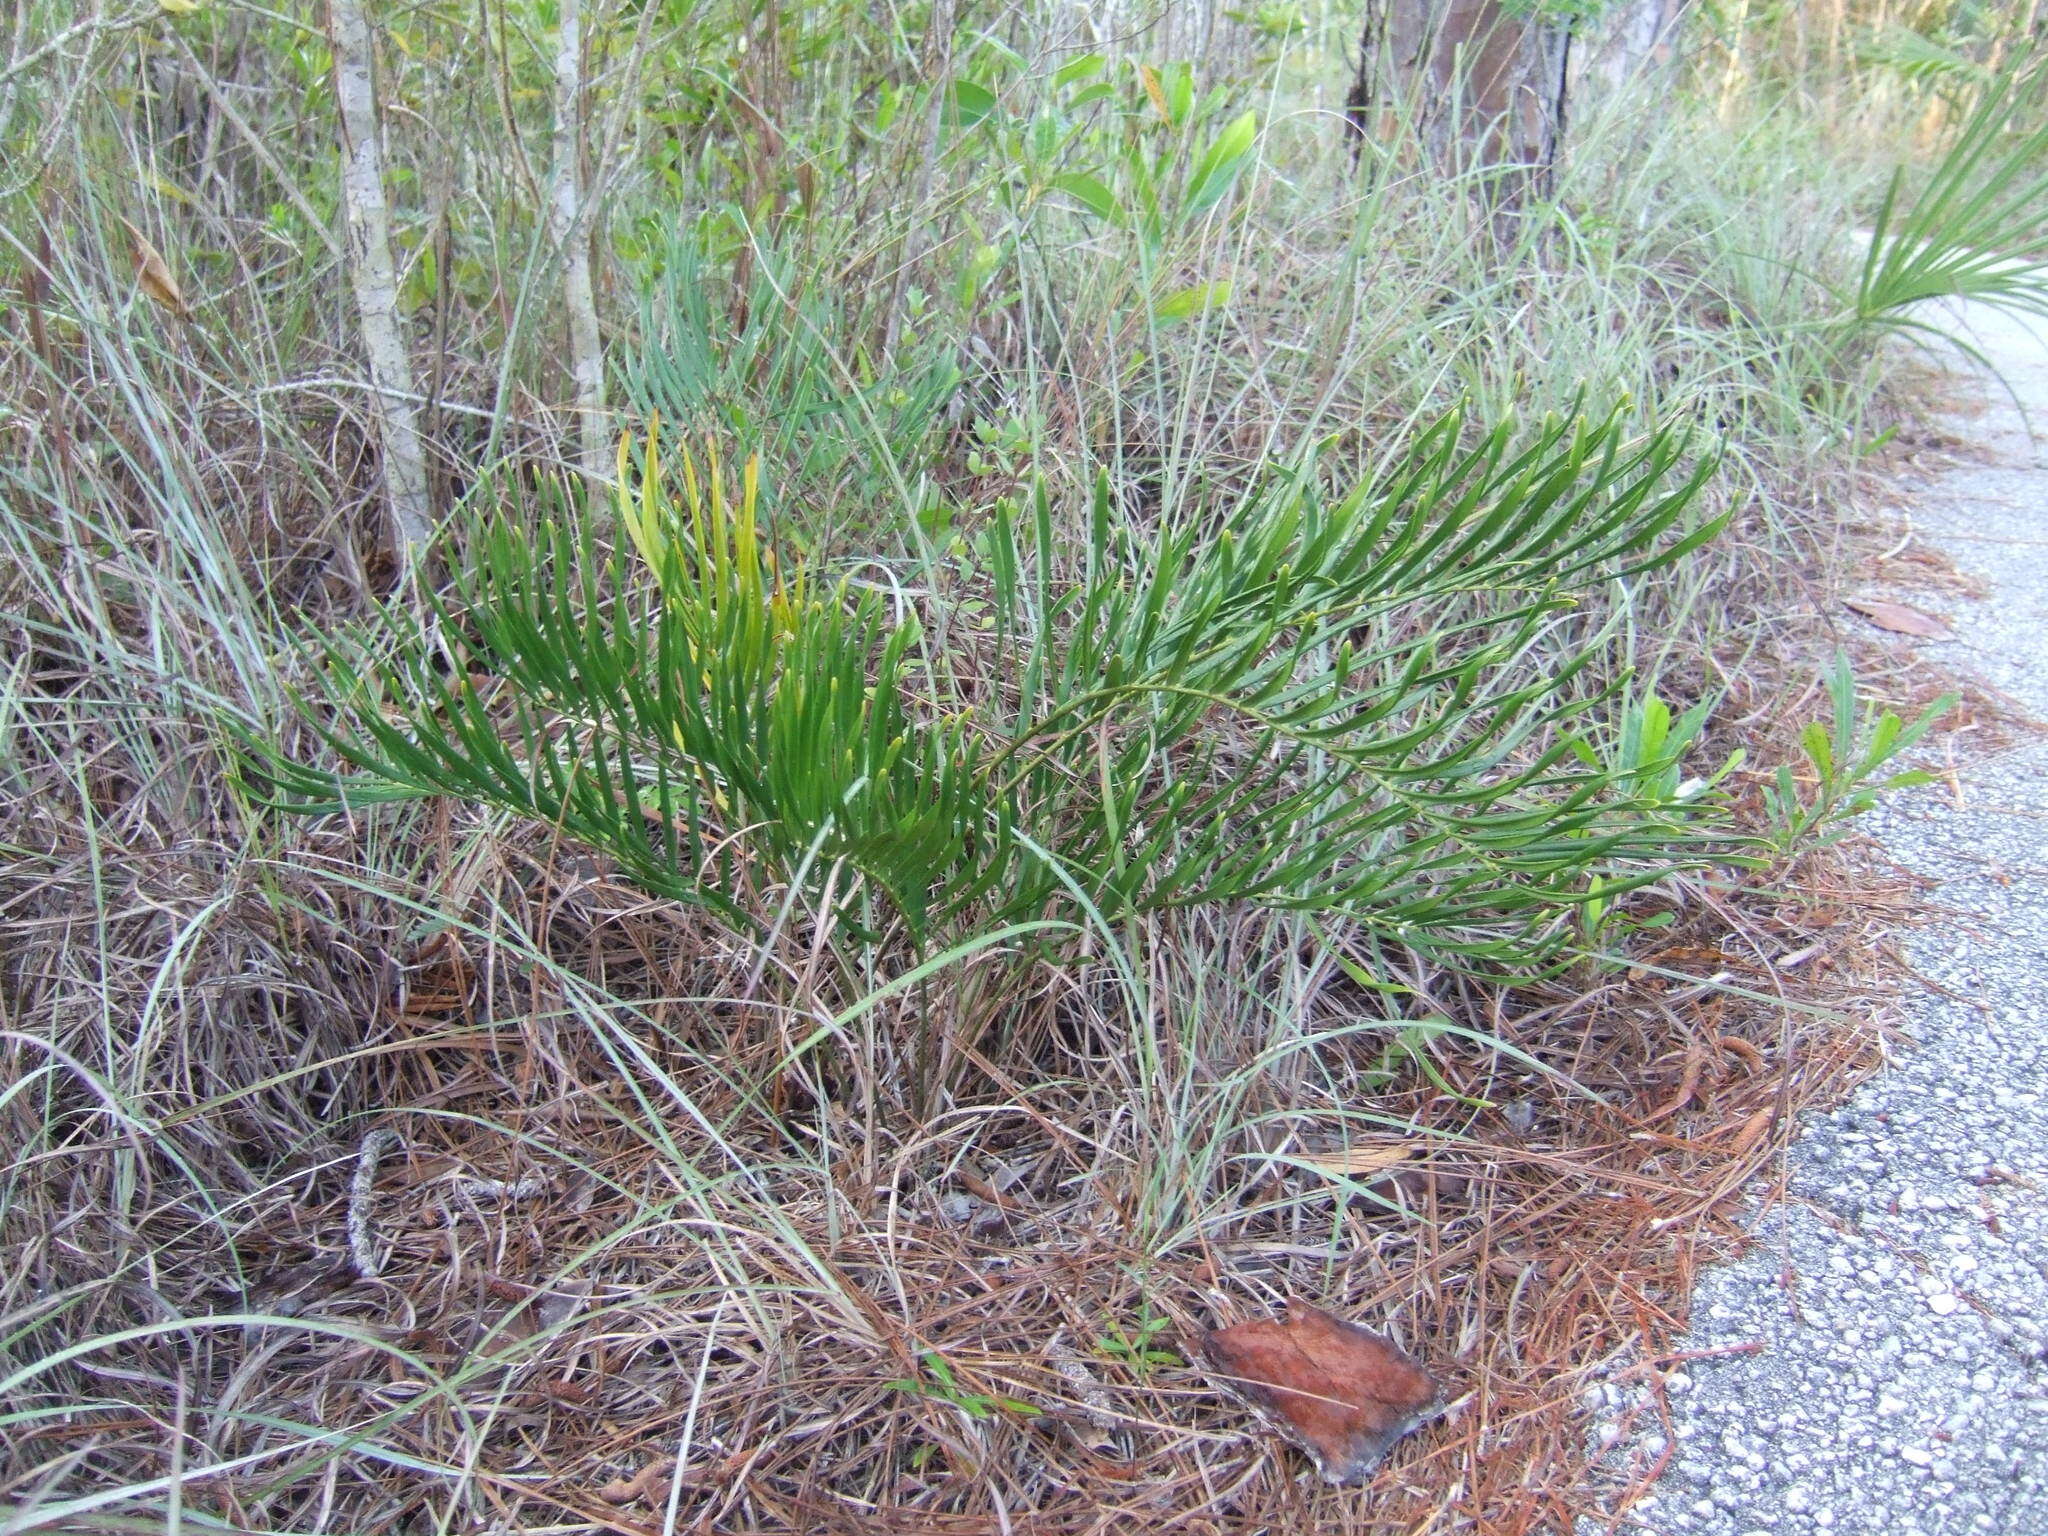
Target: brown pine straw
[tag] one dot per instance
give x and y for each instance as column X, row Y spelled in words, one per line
column 1551, row 1246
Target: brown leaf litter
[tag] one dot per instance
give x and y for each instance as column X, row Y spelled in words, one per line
column 750, row 1276
column 1898, row 618
column 1341, row 1392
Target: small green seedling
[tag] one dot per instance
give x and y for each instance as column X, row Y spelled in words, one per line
column 1644, row 756
column 1847, row 759
column 940, row 1385
column 1136, row 1347
column 1607, row 925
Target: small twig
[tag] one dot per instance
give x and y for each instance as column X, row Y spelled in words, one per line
column 1659, row 1363
column 286, row 182
column 1098, row 1408
column 360, row 1238
column 504, row 1189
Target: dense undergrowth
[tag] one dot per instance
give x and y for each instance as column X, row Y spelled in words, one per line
column 1135, row 673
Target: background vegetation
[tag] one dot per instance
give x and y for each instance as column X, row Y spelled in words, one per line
column 1193, row 661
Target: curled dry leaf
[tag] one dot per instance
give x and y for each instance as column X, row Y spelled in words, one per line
column 648, row 1485
column 1341, row 1392
column 985, row 1192
column 653, row 1483
column 554, row 1307
column 1360, row 1160
column 153, row 273
column 1411, row 1188
column 1898, row 617
column 535, row 1309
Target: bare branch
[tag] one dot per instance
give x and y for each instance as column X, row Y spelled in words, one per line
column 91, row 29
column 258, row 148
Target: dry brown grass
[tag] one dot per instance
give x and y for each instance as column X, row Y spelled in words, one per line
column 741, row 1281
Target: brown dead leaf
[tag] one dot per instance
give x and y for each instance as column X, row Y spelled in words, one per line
column 645, row 1484
column 1735, row 1045
column 1356, row 1161
column 153, row 273
column 1688, row 1084
column 1149, row 77
column 1341, row 1392
column 984, row 1191
column 1751, row 1129
column 1898, row 618
column 1397, row 1172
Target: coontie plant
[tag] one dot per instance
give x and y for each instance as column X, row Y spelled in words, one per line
column 1364, row 704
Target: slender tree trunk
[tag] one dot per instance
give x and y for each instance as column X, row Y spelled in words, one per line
column 569, row 227
column 937, row 66
column 1482, row 83
column 375, row 278
column 1640, row 39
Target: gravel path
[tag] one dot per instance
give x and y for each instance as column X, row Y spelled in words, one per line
column 1903, row 1381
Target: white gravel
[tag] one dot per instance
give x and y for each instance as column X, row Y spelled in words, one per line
column 1900, row 1295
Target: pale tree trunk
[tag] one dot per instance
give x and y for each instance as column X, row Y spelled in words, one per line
column 1482, row 83
column 569, row 226
column 375, row 278
column 1640, row 41
column 936, row 68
